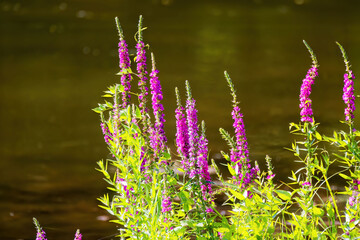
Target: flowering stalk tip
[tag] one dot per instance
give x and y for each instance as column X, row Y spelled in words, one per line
column 306, row 111
column 118, row 26
column 313, row 56
column 140, row 28
column 239, row 153
column 125, row 66
column 188, row 89
column 348, row 90
column 40, row 235
column 231, row 85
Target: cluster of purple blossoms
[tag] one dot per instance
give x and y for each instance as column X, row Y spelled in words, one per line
column 166, row 204
column 352, row 201
column 182, row 136
column 202, row 164
column 306, row 112
column 348, row 96
column 142, row 72
column 158, row 138
column 106, row 132
column 78, row 235
column 125, row 77
column 356, row 183
column 191, row 147
column 41, row 235
column 306, row 184
column 193, row 129
column 240, row 155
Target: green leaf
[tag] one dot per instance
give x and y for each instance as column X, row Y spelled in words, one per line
column 231, row 170
column 237, row 194
column 98, row 110
column 346, row 177
column 318, row 136
column 284, row 195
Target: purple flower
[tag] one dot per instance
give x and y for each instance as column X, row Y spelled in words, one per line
column 306, row 112
column 166, row 204
column 307, row 184
column 78, row 235
column 270, row 176
column 209, row 210
column 351, row 201
column 240, row 155
column 142, row 159
column 348, row 95
column 142, row 72
column 41, row 235
column 125, row 77
column 158, row 138
column 193, row 129
column 106, row 132
column 182, row 136
column 242, row 151
column 203, row 167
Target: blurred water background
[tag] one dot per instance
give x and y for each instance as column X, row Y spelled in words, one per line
column 56, row 58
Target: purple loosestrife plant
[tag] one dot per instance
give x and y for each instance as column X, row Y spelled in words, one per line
column 143, row 191
column 306, row 115
column 350, row 142
column 309, row 221
column 125, row 68
column 306, row 112
column 138, row 182
column 193, row 131
column 141, row 70
column 182, row 135
column 348, row 89
column 239, row 153
column 158, row 138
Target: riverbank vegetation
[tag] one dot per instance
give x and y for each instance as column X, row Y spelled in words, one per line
column 157, row 194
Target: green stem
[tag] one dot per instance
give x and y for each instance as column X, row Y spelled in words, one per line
column 333, row 198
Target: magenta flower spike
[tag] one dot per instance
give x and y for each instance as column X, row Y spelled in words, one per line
column 182, row 135
column 348, row 90
column 78, row 235
column 239, row 153
column 124, row 64
column 193, row 129
column 348, row 96
column 158, row 138
column 141, row 69
column 306, row 111
column 202, row 164
column 40, row 235
column 166, row 204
